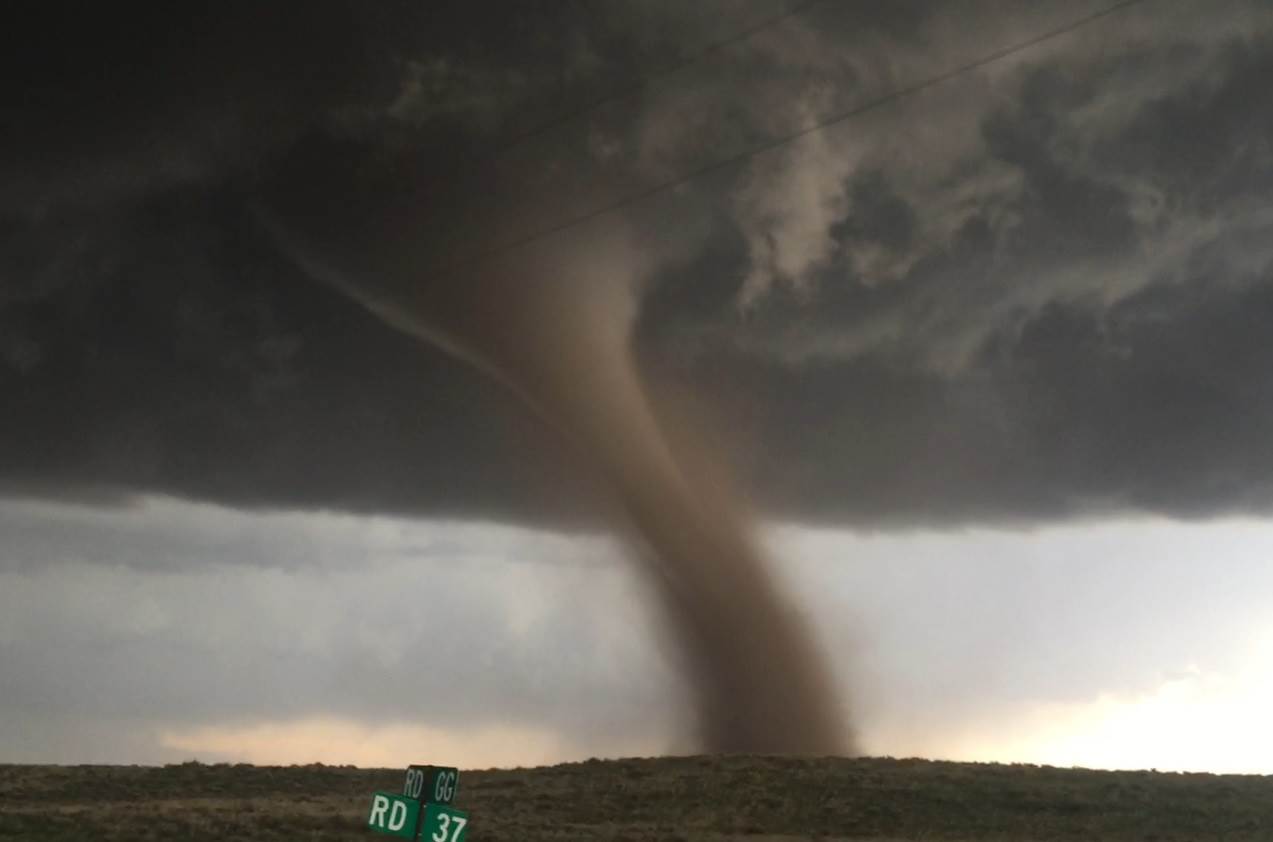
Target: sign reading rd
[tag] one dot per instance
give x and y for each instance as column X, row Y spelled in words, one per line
column 394, row 814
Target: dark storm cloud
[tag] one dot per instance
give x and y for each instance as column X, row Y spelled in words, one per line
column 153, row 338
column 196, row 363
column 1090, row 338
column 1159, row 404
column 1041, row 291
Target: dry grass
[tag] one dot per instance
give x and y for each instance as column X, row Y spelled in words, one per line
column 695, row 798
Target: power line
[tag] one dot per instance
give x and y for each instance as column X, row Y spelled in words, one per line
column 635, row 86
column 783, row 140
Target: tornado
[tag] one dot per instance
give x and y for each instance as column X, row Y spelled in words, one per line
column 557, row 332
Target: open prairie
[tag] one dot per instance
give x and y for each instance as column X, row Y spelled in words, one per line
column 690, row 798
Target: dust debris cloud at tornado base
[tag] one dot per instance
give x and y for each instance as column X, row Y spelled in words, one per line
column 684, row 275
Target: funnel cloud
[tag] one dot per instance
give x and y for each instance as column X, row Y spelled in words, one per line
column 556, row 331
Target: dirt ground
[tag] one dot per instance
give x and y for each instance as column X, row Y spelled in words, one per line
column 760, row 799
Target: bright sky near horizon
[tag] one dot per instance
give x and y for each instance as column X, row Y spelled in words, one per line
column 172, row 631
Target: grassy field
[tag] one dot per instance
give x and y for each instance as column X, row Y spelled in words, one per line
column 709, row 798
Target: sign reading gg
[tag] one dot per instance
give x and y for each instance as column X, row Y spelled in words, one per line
column 434, row 784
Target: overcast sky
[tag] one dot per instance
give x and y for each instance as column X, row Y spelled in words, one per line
column 990, row 360
column 171, row 631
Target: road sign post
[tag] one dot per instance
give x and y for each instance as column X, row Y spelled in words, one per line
column 423, row 811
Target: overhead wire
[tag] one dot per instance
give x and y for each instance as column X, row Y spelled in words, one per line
column 785, row 139
column 635, row 86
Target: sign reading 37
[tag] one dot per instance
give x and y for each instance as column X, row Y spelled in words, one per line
column 443, row 824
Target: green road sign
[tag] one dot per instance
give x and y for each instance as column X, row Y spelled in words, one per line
column 394, row 814
column 436, row 784
column 443, row 824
